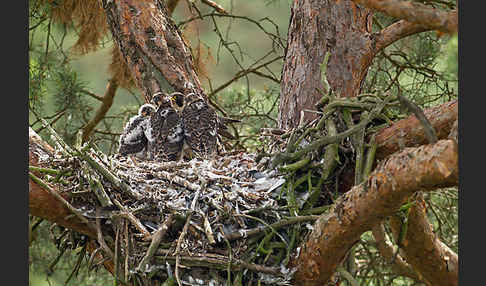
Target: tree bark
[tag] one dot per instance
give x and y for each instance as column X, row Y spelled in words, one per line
column 316, row 27
column 409, row 132
column 387, row 250
column 427, row 167
column 152, row 46
column 343, row 29
column 434, row 260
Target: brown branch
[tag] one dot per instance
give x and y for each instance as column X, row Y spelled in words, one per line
column 92, row 94
column 409, row 132
column 426, row 167
column 395, row 32
column 106, row 103
column 454, row 133
column 434, row 260
column 387, row 250
column 215, row 6
column 436, row 19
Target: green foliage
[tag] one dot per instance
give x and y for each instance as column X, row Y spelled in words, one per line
column 37, row 84
column 69, row 98
column 411, row 66
column 45, row 250
column 255, row 108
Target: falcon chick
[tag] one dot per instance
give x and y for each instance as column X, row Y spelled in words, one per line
column 165, row 133
column 133, row 139
column 200, row 126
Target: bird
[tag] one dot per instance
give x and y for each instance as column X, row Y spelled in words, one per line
column 133, row 139
column 177, row 101
column 165, row 133
column 200, row 123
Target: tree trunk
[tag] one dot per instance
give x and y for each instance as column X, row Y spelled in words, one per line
column 316, row 27
column 152, row 46
column 343, row 29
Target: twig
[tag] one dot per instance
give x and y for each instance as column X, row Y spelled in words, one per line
column 283, row 157
column 107, row 102
column 154, row 244
column 347, row 276
column 128, row 215
column 101, row 240
column 100, row 193
column 183, row 234
column 216, row 261
column 284, row 222
column 370, row 157
column 108, row 175
column 208, row 230
column 214, row 5
column 428, row 128
column 178, row 180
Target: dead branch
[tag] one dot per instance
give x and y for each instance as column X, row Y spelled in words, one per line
column 171, row 5
column 434, row 260
column 445, row 21
column 106, row 103
column 426, row 167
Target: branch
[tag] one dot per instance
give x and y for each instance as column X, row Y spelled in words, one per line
column 106, row 103
column 387, row 250
column 427, row 167
column 395, row 32
column 434, row 260
column 409, row 132
column 436, row 19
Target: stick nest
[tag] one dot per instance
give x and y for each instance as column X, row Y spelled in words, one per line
column 234, row 220
column 219, row 219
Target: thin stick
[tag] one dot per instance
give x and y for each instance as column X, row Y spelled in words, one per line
column 415, row 109
column 109, row 175
column 154, row 244
column 101, row 240
column 133, row 219
column 183, row 234
column 216, row 261
column 214, row 5
column 250, row 232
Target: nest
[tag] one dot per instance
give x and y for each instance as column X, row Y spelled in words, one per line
column 234, row 220
column 207, row 220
